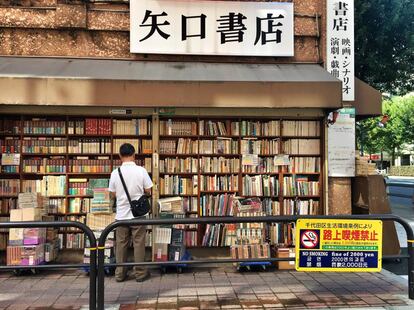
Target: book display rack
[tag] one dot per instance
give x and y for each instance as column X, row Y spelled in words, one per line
column 205, row 160
column 65, row 158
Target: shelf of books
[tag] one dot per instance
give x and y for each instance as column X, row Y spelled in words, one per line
column 206, row 161
column 65, row 159
column 212, row 161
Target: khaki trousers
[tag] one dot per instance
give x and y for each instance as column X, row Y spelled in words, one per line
column 123, row 236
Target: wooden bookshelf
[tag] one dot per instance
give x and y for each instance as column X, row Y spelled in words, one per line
column 213, row 131
column 25, row 129
column 277, row 172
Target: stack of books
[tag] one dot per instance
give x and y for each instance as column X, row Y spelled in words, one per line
column 178, row 165
column 219, row 146
column 98, row 126
column 251, row 237
column 219, row 165
column 301, row 128
column 178, row 128
column 210, row 128
column 219, row 205
column 101, row 202
column 260, row 185
column 42, row 126
column 302, row 146
column 137, row 127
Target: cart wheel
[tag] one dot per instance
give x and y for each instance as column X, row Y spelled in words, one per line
column 398, row 260
column 109, row 271
column 17, row 272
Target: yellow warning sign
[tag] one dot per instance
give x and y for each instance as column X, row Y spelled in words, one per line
column 338, row 245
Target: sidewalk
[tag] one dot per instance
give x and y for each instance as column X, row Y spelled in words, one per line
column 217, row 288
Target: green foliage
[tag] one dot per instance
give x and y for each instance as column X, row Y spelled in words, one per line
column 399, row 129
column 384, row 44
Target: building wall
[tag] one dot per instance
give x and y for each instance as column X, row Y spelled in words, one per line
column 101, row 30
column 68, row 28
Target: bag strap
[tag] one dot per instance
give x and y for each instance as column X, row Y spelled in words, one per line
column 124, row 185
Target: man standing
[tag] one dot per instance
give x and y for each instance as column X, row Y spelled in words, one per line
column 138, row 183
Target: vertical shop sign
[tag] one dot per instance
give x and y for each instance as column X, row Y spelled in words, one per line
column 340, row 44
column 341, row 143
column 211, row 27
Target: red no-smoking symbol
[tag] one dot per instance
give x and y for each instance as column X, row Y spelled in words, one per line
column 309, row 239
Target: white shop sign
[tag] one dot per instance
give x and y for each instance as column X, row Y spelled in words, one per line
column 211, row 27
column 340, row 44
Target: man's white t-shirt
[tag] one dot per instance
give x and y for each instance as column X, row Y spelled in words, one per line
column 136, row 180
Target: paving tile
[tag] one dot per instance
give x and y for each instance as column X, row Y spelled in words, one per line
column 286, row 296
column 225, row 289
column 18, row 307
column 247, row 296
column 313, row 305
column 356, row 303
column 209, row 305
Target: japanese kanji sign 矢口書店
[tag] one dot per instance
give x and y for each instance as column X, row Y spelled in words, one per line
column 338, row 245
column 340, row 44
column 211, row 27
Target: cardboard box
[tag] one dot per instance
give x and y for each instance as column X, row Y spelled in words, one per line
column 160, row 252
column 33, row 236
column 16, row 236
column 16, row 215
column 285, row 253
column 31, row 214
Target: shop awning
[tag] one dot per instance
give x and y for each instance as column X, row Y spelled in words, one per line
column 92, row 82
column 368, row 100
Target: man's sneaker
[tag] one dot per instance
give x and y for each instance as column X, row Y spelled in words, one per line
column 143, row 278
column 120, row 279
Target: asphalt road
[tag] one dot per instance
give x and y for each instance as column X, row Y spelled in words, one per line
column 403, row 207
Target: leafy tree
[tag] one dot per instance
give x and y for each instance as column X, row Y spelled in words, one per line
column 384, row 44
column 399, row 130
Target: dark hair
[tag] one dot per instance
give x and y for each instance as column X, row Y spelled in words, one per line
column 126, row 150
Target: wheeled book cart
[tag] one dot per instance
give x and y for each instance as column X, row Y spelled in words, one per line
column 249, row 240
column 169, row 240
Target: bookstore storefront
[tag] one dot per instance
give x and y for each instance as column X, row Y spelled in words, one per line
column 206, row 150
column 209, row 132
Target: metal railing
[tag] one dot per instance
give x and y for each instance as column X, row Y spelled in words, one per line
column 92, row 264
column 230, row 220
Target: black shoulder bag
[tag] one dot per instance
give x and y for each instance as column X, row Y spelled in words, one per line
column 139, row 207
